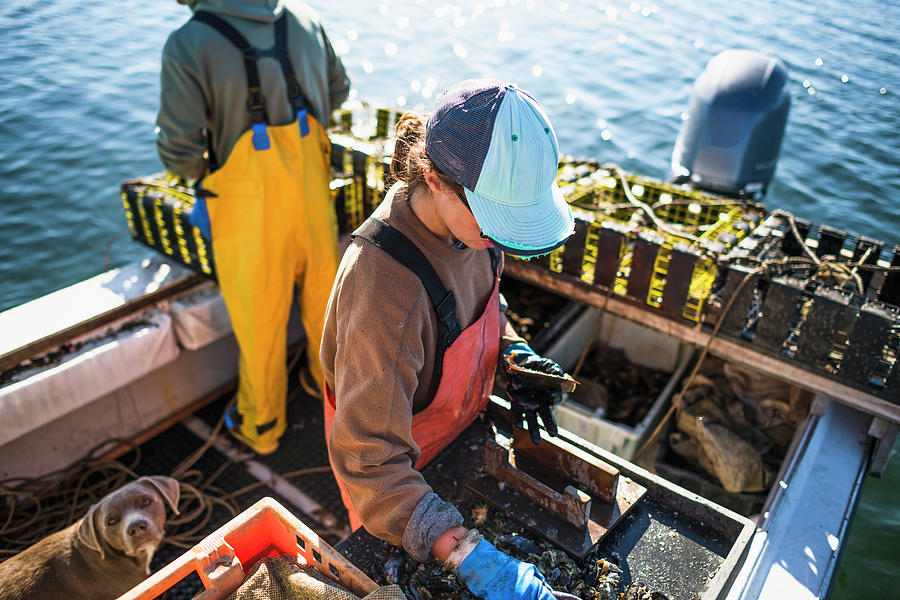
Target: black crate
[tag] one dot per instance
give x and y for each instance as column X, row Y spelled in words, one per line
column 158, row 211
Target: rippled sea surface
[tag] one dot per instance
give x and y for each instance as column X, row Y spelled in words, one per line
column 79, row 91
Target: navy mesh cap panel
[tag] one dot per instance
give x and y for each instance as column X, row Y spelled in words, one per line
column 459, row 130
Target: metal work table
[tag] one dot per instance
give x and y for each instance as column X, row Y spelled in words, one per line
column 672, row 540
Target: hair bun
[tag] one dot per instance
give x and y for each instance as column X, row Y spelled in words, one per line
column 410, row 132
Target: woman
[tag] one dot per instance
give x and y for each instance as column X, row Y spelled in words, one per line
column 414, row 324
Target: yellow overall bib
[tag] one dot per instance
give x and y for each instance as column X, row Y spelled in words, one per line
column 273, row 226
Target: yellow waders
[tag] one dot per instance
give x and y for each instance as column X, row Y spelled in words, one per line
column 273, row 225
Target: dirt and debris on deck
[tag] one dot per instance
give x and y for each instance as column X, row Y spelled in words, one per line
column 668, row 544
column 595, row 577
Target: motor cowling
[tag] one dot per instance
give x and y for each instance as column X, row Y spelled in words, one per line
column 731, row 137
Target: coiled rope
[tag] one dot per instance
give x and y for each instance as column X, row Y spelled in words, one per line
column 33, row 508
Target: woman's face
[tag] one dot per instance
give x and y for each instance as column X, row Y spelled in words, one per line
column 452, row 216
column 460, row 220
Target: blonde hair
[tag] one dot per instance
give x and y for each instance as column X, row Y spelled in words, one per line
column 410, row 161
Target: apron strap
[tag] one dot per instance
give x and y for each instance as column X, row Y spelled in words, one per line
column 495, row 259
column 298, row 99
column 255, row 101
column 405, row 252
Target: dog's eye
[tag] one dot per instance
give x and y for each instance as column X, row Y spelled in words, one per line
column 146, row 501
column 110, row 521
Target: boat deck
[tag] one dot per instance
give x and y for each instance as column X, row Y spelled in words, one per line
column 669, row 522
column 708, row 541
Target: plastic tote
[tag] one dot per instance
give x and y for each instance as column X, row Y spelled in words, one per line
column 223, row 558
column 642, row 346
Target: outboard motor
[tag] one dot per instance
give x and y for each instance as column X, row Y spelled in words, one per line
column 738, row 110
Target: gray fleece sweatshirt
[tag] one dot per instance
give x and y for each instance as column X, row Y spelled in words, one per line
column 204, row 82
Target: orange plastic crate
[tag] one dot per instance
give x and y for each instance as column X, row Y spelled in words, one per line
column 222, row 559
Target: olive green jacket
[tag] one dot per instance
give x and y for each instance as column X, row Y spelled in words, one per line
column 204, row 82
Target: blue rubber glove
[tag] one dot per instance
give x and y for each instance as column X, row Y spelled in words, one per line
column 492, row 575
column 528, row 402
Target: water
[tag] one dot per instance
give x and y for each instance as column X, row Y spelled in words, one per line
column 79, row 92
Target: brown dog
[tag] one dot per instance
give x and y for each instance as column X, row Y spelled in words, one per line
column 101, row 556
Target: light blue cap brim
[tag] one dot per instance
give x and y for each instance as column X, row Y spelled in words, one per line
column 529, row 230
column 516, row 200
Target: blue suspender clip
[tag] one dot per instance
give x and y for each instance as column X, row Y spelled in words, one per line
column 260, row 137
column 199, row 216
column 304, row 124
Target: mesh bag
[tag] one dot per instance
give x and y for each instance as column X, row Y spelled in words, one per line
column 283, row 578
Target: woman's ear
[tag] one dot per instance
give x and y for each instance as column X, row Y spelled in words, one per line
column 434, row 182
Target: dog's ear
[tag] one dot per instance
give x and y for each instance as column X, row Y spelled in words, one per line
column 168, row 488
column 87, row 531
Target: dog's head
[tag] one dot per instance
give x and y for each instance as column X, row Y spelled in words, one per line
column 130, row 520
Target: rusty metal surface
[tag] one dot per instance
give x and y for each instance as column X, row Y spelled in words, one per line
column 572, row 519
column 577, row 541
column 670, row 539
column 590, row 473
column 570, row 505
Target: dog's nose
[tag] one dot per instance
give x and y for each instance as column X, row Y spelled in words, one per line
column 138, row 528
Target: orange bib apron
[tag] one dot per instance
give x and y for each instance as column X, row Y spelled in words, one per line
column 466, row 381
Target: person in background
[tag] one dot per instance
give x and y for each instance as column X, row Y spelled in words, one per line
column 415, row 324
column 247, row 88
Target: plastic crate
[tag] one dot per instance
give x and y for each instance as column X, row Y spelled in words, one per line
column 223, row 558
column 642, row 346
column 616, row 245
column 158, row 210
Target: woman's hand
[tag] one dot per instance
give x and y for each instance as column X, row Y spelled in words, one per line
column 492, row 575
column 528, row 402
column 449, row 540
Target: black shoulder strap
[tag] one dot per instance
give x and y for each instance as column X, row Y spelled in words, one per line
column 255, row 101
column 408, row 254
column 495, row 260
column 296, row 96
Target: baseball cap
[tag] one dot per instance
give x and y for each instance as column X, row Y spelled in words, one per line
column 496, row 142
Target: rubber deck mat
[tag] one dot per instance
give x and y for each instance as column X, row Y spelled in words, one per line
column 301, row 446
